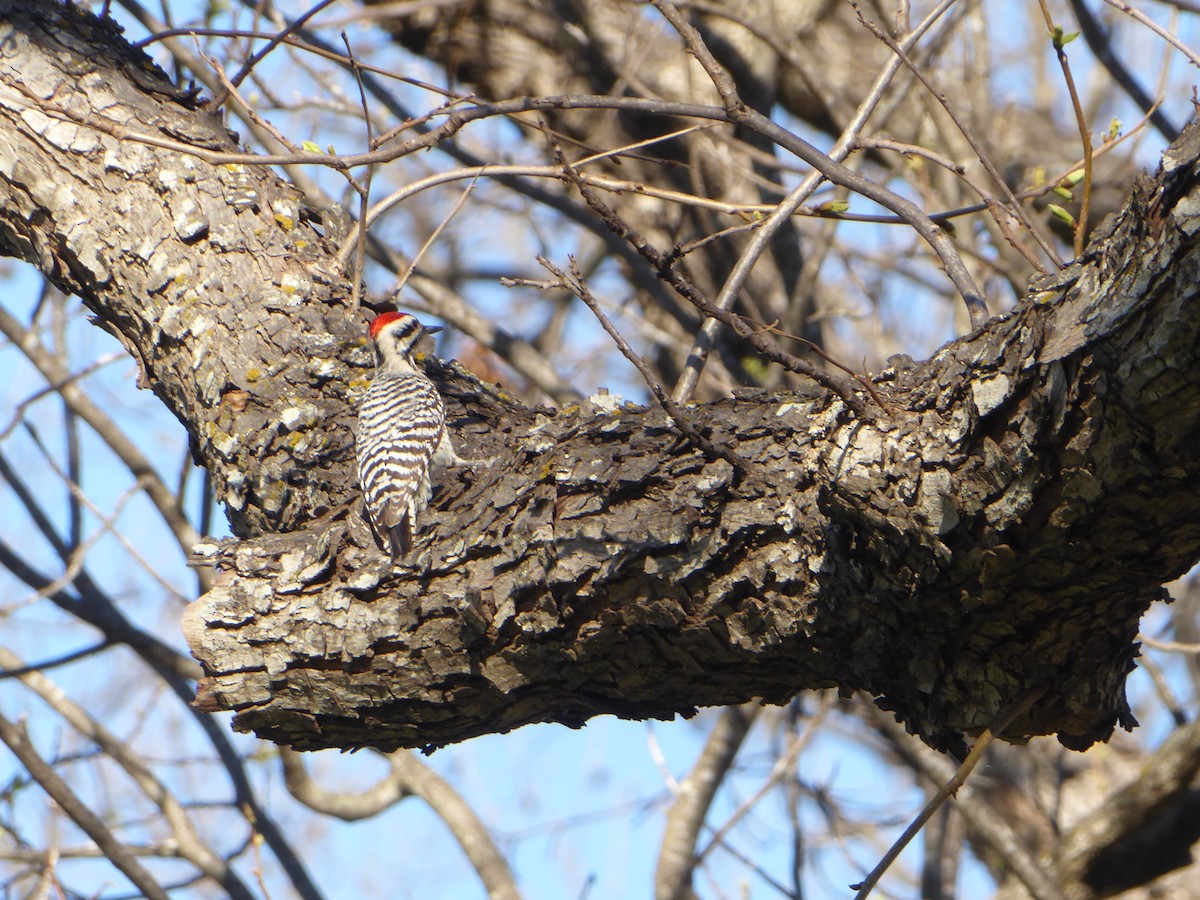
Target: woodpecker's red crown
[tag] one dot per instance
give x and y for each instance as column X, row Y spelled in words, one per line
column 385, row 319
column 407, row 325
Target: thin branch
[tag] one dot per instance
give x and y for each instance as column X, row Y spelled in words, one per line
column 820, row 351
column 196, row 64
column 1168, row 773
column 1137, row 15
column 470, row 832
column 1100, row 43
column 1178, row 714
column 188, row 843
column 446, row 220
column 53, row 370
column 364, row 190
column 644, row 189
column 449, row 306
column 696, row 46
column 107, row 522
column 1059, row 41
column 248, row 110
column 665, row 268
column 43, row 773
column 1013, row 206
column 459, row 118
column 950, row 789
column 749, row 257
column 783, row 769
column 46, row 664
column 163, row 34
column 53, row 388
column 408, row 778
column 291, row 28
column 343, row 805
column 576, row 285
column 179, row 673
column 1169, row 646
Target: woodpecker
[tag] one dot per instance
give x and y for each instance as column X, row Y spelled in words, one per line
column 401, row 433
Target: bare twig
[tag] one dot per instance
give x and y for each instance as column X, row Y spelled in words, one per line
column 409, row 777
column 471, row 834
column 247, row 109
column 458, row 118
column 783, row 769
column 78, row 550
column 1059, row 40
column 344, row 805
column 668, row 272
column 274, row 42
column 1166, row 775
column 1100, row 43
column 1163, row 688
column 787, row 207
column 644, row 189
column 188, row 843
column 19, row 409
column 449, row 306
column 1169, row 646
column 1137, row 15
column 949, row 789
column 53, row 370
column 696, row 46
column 64, row 659
column 364, row 189
column 866, row 383
column 1013, row 207
column 710, row 449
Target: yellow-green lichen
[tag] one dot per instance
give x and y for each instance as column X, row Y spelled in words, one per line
column 272, row 497
column 224, row 443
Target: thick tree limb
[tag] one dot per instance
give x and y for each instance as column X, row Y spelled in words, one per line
column 1004, row 531
column 975, row 548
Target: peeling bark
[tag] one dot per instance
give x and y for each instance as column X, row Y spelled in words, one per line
column 1002, row 531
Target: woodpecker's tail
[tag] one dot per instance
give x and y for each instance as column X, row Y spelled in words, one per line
column 400, row 538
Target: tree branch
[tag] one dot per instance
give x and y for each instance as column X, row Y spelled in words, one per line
column 972, row 547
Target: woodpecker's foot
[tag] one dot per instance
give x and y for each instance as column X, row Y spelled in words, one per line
column 472, row 463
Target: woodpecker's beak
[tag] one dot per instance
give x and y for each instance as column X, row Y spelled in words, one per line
column 432, row 329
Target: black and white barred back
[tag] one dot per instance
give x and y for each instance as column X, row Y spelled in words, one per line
column 401, row 429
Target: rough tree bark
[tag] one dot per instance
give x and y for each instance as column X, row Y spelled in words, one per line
column 999, row 529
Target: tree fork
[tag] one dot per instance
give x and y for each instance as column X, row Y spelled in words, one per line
column 1004, row 532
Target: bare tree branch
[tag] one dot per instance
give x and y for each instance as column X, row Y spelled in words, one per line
column 677, row 857
column 49, row 780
